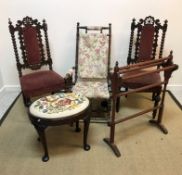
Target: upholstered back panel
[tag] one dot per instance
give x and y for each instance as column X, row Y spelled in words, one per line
column 31, row 45
column 146, row 42
column 93, row 55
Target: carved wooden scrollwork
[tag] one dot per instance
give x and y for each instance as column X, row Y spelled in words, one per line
column 136, row 35
column 149, row 20
column 28, row 21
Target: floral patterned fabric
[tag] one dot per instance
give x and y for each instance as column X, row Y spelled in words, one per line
column 93, row 55
column 59, row 105
column 92, row 88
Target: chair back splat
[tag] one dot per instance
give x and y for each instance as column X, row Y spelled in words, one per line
column 165, row 69
column 31, row 44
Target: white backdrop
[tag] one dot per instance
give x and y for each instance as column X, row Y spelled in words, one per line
column 62, row 16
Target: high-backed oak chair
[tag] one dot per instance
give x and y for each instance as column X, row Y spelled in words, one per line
column 164, row 68
column 92, row 63
column 146, row 43
column 31, row 48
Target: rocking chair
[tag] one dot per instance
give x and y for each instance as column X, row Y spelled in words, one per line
column 93, row 45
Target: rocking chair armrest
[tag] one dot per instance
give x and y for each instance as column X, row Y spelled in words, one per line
column 70, row 73
column 69, row 77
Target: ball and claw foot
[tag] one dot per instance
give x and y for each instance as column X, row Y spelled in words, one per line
column 87, row 147
column 45, row 158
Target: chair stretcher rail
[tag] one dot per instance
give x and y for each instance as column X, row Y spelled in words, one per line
column 132, row 66
column 133, row 116
column 149, row 72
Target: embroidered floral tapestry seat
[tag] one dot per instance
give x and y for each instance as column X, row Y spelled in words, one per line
column 59, row 109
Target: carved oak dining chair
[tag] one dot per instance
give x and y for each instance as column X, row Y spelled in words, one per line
column 32, row 53
column 146, row 43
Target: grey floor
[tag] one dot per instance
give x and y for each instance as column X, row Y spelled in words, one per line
column 7, row 98
column 178, row 95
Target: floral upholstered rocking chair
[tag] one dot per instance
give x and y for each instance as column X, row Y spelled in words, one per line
column 92, row 65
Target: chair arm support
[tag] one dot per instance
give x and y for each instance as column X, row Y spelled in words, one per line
column 69, row 77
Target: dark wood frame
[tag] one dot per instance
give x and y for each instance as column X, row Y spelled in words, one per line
column 41, row 124
column 164, row 65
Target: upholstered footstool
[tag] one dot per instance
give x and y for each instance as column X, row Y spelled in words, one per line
column 58, row 109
